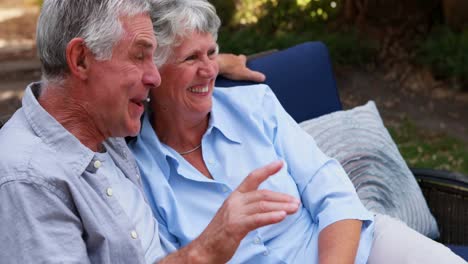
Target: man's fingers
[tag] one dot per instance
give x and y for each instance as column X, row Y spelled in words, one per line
column 242, row 58
column 249, row 74
column 256, row 177
column 255, row 76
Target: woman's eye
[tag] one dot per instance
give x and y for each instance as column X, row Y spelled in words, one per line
column 212, row 54
column 190, row 58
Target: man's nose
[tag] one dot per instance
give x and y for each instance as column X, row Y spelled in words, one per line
column 151, row 76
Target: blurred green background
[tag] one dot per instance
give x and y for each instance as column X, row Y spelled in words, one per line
column 383, row 35
column 384, row 50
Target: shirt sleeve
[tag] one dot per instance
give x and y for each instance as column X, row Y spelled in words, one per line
column 325, row 189
column 37, row 226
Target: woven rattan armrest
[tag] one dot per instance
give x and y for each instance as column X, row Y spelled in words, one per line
column 447, row 196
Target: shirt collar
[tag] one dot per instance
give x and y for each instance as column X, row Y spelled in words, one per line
column 219, row 119
column 52, row 133
column 163, row 155
column 148, row 140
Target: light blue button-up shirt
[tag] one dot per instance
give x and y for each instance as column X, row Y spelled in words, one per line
column 248, row 128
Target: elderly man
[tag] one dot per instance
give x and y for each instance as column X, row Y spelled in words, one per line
column 70, row 190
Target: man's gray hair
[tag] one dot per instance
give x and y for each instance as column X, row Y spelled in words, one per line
column 96, row 21
column 174, row 19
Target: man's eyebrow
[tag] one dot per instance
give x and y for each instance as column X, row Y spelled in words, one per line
column 145, row 44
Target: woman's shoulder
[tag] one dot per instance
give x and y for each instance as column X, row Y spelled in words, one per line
column 241, row 98
column 245, row 90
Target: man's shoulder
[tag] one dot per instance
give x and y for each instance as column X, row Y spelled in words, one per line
column 18, row 141
column 23, row 154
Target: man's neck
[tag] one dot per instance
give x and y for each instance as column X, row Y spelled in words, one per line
column 73, row 115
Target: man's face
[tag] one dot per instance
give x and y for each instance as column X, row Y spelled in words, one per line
column 119, row 86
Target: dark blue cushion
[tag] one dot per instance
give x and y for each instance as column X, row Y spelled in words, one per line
column 301, row 77
column 462, row 251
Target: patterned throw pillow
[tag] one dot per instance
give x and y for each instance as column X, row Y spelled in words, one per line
column 358, row 139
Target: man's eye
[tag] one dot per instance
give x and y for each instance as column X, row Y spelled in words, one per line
column 140, row 56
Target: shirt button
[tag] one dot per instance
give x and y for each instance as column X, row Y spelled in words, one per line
column 134, row 234
column 257, row 240
column 266, row 253
column 225, row 189
column 210, row 161
column 138, row 176
column 109, row 192
column 97, row 164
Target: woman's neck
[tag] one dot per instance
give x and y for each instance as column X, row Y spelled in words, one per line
column 180, row 132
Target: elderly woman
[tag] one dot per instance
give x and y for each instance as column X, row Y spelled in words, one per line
column 197, row 143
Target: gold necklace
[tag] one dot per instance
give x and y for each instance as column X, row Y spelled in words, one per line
column 189, row 151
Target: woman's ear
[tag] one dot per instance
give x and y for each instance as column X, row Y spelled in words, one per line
column 77, row 58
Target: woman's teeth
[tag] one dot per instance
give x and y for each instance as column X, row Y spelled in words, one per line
column 199, row 90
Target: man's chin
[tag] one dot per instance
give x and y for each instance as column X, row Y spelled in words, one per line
column 134, row 131
column 131, row 130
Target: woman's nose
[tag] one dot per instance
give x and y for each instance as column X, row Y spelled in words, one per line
column 209, row 68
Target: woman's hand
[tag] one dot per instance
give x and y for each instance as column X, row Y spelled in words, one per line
column 246, row 209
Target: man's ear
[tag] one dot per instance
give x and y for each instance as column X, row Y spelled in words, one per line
column 78, row 58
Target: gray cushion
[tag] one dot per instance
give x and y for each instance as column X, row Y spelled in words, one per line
column 358, row 139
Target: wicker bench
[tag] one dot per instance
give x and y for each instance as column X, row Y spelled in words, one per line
column 447, row 196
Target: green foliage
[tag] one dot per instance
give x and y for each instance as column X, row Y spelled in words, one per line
column 349, row 48
column 225, row 10
column 436, row 151
column 296, row 16
column 346, row 48
column 259, row 25
column 274, row 15
column 446, row 53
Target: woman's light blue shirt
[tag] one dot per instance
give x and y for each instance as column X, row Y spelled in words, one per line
column 249, row 128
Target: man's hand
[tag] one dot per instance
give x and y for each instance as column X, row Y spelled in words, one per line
column 243, row 211
column 234, row 67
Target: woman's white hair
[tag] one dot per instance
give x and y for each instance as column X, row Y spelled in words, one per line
column 96, row 21
column 174, row 19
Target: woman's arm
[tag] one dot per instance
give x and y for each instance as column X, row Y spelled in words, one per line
column 325, row 189
column 338, row 242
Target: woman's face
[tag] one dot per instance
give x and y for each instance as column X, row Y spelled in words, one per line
column 188, row 77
